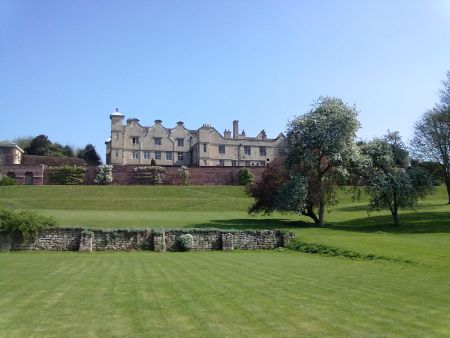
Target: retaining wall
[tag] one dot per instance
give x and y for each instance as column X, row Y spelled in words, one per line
column 125, row 174
column 78, row 239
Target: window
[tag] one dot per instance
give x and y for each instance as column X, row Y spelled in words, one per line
column 233, row 163
column 262, row 151
column 169, row 156
column 262, row 163
column 146, row 155
column 135, row 140
column 116, row 136
column 157, row 155
column 222, row 149
column 204, row 147
column 222, row 163
column 247, row 150
column 205, row 162
column 281, row 151
column 180, row 142
column 180, row 156
column 157, row 141
column 116, row 153
column 134, row 155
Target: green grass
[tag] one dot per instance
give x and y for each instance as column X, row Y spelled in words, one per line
column 218, row 294
column 228, row 294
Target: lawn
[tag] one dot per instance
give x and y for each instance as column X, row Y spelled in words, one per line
column 222, row 293
column 218, row 294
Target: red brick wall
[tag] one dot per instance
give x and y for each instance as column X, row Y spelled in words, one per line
column 124, row 174
column 20, row 171
column 52, row 161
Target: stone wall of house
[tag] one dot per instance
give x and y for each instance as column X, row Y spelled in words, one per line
column 78, row 239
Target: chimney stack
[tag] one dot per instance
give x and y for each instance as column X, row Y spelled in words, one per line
column 235, row 129
column 227, row 134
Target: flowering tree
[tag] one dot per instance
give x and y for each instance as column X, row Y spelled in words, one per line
column 390, row 183
column 150, row 174
column 322, row 151
column 183, row 174
column 104, row 174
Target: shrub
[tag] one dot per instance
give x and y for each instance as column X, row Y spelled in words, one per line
column 149, row 174
column 66, row 174
column 245, row 176
column 104, row 174
column 153, row 162
column 186, row 242
column 27, row 223
column 5, row 180
column 183, row 174
column 87, row 233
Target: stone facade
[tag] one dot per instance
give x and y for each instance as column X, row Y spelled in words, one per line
column 78, row 239
column 10, row 153
column 135, row 144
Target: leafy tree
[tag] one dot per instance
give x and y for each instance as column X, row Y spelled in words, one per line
column 390, row 184
column 432, row 168
column 431, row 140
column 42, row 146
column 245, row 176
column 39, row 146
column 23, row 142
column 322, row 152
column 90, row 155
column 265, row 191
column 322, row 149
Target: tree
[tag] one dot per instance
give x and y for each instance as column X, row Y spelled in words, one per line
column 42, row 146
column 39, row 146
column 431, row 141
column 322, row 151
column 389, row 183
column 23, row 142
column 265, row 191
column 90, row 155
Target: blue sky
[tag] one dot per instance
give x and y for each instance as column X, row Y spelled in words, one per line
column 65, row 65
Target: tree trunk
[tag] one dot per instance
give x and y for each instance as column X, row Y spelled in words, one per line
column 321, row 213
column 310, row 213
column 447, row 184
column 394, row 213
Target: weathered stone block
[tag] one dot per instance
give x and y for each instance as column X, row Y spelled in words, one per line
column 160, row 241
column 86, row 243
column 227, row 242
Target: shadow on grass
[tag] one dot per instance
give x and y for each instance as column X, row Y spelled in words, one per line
column 411, row 223
column 248, row 223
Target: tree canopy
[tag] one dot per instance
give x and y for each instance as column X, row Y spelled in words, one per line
column 42, row 146
column 90, row 155
column 431, row 141
column 390, row 184
column 322, row 150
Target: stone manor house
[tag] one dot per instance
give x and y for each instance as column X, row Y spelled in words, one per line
column 132, row 143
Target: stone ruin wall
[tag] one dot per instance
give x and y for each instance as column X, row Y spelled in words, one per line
column 85, row 240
